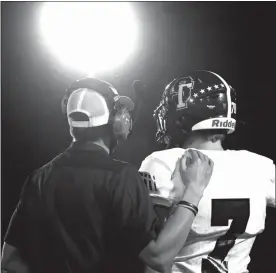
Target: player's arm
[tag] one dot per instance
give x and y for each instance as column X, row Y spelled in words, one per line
column 160, row 252
column 134, row 212
column 271, row 189
column 195, row 174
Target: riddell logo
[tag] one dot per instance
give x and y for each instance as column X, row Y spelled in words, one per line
column 222, row 124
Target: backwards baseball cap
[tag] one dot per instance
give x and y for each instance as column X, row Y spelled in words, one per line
column 94, row 101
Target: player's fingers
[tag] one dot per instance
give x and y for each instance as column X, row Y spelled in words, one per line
column 177, row 164
column 204, row 159
column 211, row 162
column 207, row 160
column 176, row 169
column 211, row 165
column 193, row 154
column 182, row 165
column 187, row 159
column 201, row 156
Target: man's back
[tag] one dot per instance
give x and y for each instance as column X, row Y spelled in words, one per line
column 231, row 213
column 73, row 214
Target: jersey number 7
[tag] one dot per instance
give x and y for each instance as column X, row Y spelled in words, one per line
column 222, row 211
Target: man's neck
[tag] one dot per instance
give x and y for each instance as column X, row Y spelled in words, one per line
column 208, row 145
column 101, row 143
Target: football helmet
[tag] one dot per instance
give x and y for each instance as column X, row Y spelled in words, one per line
column 203, row 100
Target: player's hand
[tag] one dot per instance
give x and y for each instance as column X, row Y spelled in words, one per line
column 195, row 170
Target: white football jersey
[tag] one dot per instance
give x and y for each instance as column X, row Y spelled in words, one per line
column 231, row 212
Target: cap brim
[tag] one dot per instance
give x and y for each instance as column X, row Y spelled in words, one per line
column 127, row 102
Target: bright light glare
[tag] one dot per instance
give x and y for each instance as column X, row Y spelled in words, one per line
column 90, row 36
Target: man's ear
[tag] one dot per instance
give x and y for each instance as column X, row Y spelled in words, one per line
column 215, row 138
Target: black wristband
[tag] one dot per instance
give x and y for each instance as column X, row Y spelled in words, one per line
column 188, row 204
column 189, row 208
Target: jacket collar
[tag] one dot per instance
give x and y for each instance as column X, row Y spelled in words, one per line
column 87, row 146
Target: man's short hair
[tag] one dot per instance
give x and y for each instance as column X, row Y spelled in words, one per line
column 219, row 133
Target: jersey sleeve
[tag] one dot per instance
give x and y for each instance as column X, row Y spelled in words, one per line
column 270, row 193
column 157, row 176
column 164, row 192
column 132, row 210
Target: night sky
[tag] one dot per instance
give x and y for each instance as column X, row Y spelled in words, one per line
column 233, row 39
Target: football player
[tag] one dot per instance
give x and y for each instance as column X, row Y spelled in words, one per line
column 198, row 112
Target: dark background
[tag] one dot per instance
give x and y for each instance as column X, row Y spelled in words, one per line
column 234, row 39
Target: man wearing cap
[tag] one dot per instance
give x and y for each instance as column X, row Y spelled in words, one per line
column 85, row 212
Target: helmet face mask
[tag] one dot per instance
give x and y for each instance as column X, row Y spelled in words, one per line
column 198, row 102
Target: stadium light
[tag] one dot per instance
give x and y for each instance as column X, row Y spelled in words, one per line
column 89, row 36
